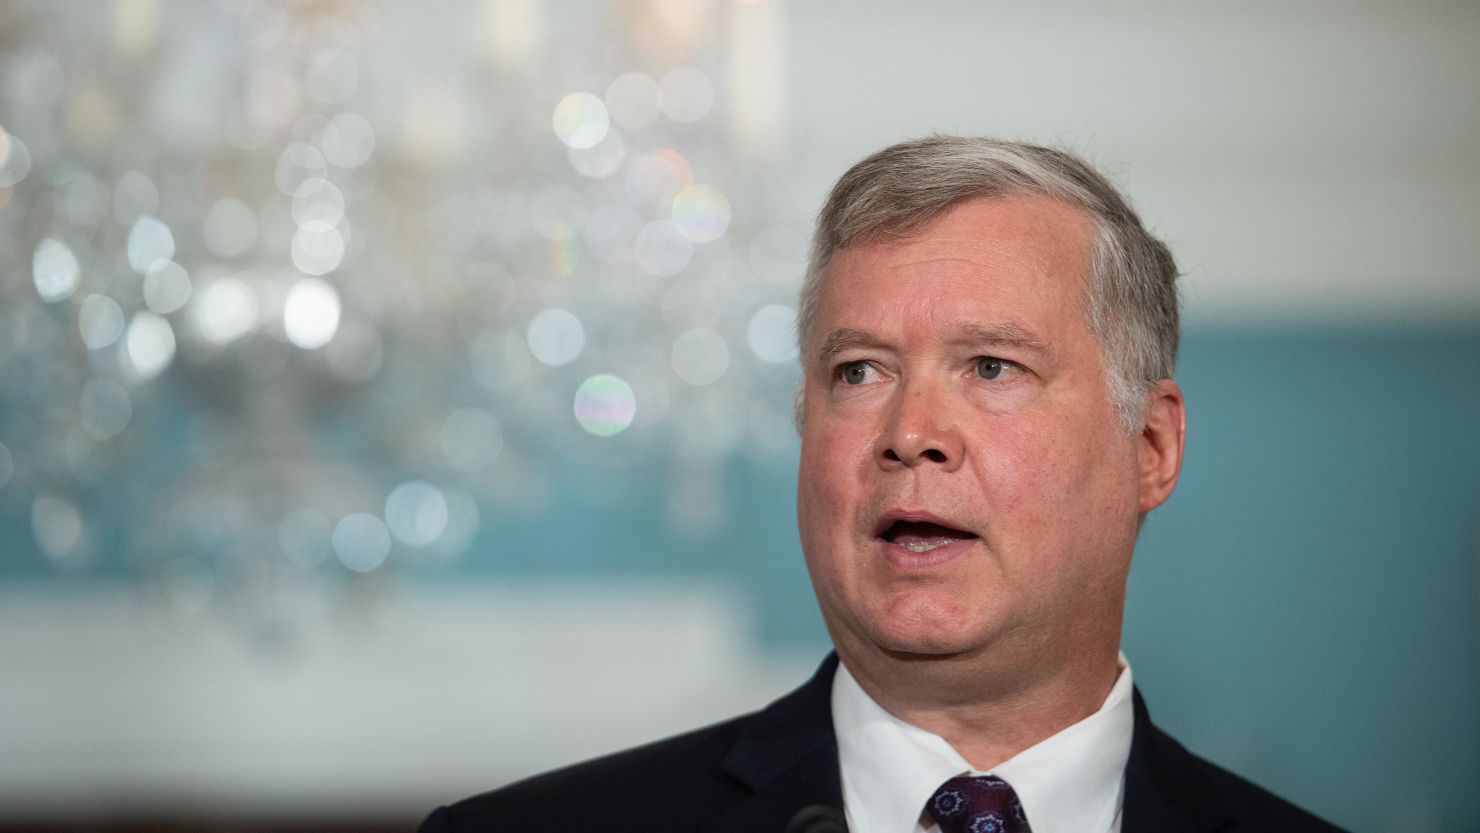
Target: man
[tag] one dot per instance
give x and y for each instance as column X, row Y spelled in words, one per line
column 987, row 414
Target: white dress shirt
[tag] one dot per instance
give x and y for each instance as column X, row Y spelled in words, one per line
column 1072, row 782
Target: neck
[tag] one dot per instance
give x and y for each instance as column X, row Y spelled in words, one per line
column 987, row 709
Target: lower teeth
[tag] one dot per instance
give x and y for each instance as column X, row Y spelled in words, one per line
column 920, row 547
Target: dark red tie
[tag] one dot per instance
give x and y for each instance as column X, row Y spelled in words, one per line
column 985, row 804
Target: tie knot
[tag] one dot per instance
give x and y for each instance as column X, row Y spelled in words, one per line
column 984, row 804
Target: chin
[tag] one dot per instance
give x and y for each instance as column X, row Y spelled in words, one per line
column 925, row 624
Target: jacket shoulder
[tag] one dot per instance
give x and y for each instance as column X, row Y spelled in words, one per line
column 667, row 784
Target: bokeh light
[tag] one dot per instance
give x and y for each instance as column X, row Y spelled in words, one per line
column 605, row 405
column 311, row 313
column 166, row 287
column 100, row 320
column 632, row 100
column 58, row 526
column 54, row 270
column 581, row 120
column 700, row 357
column 105, row 408
column 230, row 228
column 686, row 94
column 149, row 240
column 662, row 248
column 361, row 541
column 348, row 141
column 471, row 438
column 556, row 337
column 702, row 213
column 771, row 334
column 416, row 513
column 224, row 311
column 305, row 536
column 150, row 343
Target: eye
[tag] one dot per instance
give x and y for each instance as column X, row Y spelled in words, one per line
column 855, row 373
column 990, row 367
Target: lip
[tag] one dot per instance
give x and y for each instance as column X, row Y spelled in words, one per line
column 893, row 516
column 906, row 560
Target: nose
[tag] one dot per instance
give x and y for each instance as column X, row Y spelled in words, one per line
column 919, row 431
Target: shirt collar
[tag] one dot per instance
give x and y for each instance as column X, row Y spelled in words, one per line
column 1068, row 783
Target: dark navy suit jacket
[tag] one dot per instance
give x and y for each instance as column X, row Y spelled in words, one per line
column 753, row 773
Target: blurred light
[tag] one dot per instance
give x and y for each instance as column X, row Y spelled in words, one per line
column 148, row 241
column 556, row 211
column 35, row 78
column 305, row 537
column 318, row 201
column 135, row 24
column 297, row 164
column 654, row 179
column 611, row 231
column 311, row 313
column 556, row 337
column 317, row 249
column 605, row 405
column 166, row 287
column 471, row 438
column 332, row 76
column 686, row 94
column 772, row 334
column 500, row 360
column 416, row 513
column 361, row 541
column 702, row 213
column 432, row 130
column 462, row 524
column 356, row 352
column 105, row 408
column 225, row 310
column 700, row 357
column 778, row 254
column 632, row 100
column 133, row 197
column 662, row 249
column 150, row 344
column 57, row 526
column 100, row 320
column 348, row 141
column 86, row 201
column 565, row 254
column 7, row 465
column 15, row 160
column 54, row 269
column 600, row 160
column 581, row 120
column 230, row 228
column 510, row 31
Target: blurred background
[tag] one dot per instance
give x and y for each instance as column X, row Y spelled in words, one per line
column 395, row 398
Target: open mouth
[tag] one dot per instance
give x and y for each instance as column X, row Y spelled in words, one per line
column 922, row 536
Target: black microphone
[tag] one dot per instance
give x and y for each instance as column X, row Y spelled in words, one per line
column 818, row 818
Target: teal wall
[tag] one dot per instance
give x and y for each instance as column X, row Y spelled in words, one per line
column 1304, row 609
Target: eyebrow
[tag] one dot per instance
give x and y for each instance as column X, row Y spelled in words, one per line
column 1006, row 334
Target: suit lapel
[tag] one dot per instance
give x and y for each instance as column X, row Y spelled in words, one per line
column 788, row 757
column 1165, row 791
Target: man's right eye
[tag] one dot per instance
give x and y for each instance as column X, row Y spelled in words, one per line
column 855, row 373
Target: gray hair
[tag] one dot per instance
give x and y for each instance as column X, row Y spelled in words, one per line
column 1131, row 296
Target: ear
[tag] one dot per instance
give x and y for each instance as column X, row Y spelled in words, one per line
column 1159, row 449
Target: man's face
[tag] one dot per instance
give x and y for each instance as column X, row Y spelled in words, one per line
column 965, row 483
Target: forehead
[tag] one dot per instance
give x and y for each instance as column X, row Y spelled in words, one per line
column 1002, row 258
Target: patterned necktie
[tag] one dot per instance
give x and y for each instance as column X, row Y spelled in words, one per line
column 985, row 804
